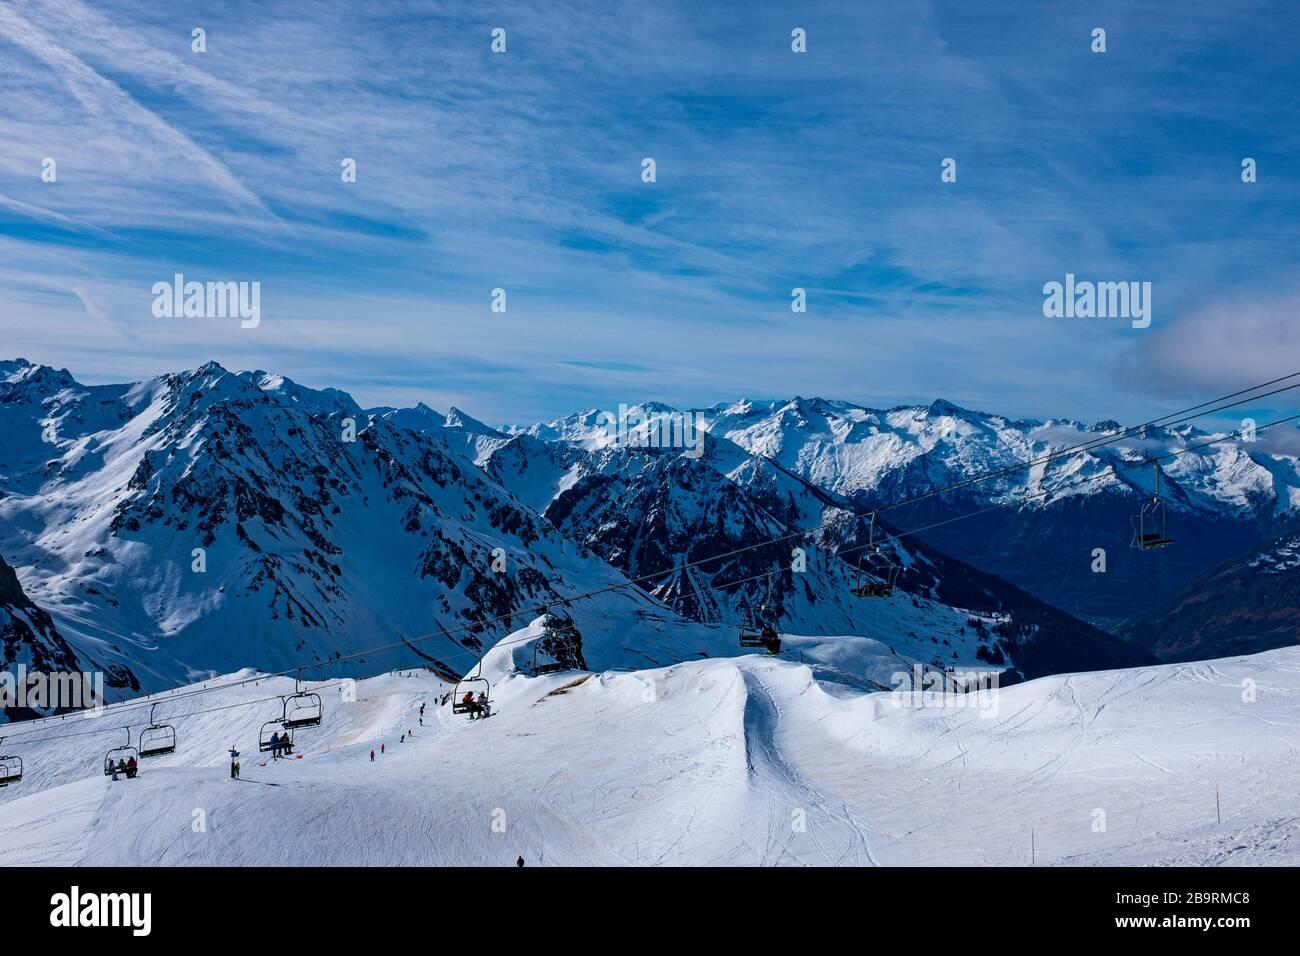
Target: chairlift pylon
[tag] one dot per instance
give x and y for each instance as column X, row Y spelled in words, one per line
column 157, row 739
column 561, row 640
column 11, row 768
column 1149, row 523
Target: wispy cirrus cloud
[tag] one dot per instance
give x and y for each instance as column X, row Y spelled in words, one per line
column 522, row 171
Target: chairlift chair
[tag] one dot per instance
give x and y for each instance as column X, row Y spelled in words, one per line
column 120, row 755
column 877, row 572
column 11, row 768
column 273, row 728
column 756, row 634
column 751, row 634
column 302, row 709
column 463, row 687
column 157, row 739
column 1149, row 523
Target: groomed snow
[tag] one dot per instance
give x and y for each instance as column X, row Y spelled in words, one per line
column 745, row 761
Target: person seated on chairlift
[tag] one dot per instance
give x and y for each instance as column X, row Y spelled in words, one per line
column 112, row 768
column 131, row 768
column 771, row 641
column 286, row 745
column 275, row 746
column 468, row 703
column 484, row 707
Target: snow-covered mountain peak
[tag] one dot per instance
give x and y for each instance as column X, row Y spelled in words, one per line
column 459, row 419
column 283, row 389
column 23, row 381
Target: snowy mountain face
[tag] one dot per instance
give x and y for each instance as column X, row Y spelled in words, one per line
column 1248, row 604
column 205, row 520
column 1050, row 518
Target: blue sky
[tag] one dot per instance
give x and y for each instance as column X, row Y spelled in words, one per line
column 775, row 170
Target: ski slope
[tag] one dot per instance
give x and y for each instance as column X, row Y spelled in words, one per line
column 744, row 761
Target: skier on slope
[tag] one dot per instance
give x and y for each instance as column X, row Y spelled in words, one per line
column 372, row 756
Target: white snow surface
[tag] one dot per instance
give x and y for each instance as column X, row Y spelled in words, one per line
column 747, row 760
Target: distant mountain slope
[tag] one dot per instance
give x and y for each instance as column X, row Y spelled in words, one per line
column 652, row 513
column 30, row 638
column 203, row 521
column 1048, row 519
column 1248, row 604
column 27, row 634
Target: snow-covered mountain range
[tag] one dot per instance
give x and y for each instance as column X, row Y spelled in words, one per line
column 206, row 520
column 1046, row 520
column 1040, row 525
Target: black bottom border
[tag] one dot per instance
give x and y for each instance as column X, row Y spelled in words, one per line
column 948, row 906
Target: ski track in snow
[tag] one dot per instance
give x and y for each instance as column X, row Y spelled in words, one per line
column 740, row 761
